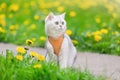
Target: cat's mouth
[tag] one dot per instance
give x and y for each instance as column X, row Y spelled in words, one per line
column 60, row 28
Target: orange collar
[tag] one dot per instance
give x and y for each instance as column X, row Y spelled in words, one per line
column 56, row 43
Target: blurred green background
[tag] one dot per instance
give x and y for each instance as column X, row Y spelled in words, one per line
column 93, row 25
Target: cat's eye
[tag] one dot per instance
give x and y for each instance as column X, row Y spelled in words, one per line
column 62, row 23
column 56, row 23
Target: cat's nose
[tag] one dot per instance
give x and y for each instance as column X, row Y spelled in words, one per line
column 60, row 25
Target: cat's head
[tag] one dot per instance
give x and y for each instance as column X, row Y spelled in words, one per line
column 55, row 25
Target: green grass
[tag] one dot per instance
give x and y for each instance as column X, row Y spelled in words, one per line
column 13, row 69
column 83, row 22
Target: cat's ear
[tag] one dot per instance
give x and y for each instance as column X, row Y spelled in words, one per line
column 63, row 15
column 49, row 17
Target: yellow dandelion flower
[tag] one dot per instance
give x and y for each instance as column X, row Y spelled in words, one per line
column 32, row 27
column 36, row 17
column 26, row 22
column 12, row 27
column 45, row 11
column 87, row 4
column 97, row 38
column 32, row 3
column 21, row 50
column 2, row 16
column 33, row 39
column 3, row 23
column 56, row 3
column 19, row 57
column 41, row 57
column 37, row 66
column 75, row 42
column 110, row 8
column 3, row 5
column 60, row 9
column 72, row 14
column 69, row 32
column 42, row 38
column 104, row 31
column 29, row 42
column 14, row 7
column 114, row 15
column 97, row 33
column 34, row 54
column 116, row 32
column 118, row 25
column 2, row 20
column 2, row 30
column 98, row 20
column 89, row 34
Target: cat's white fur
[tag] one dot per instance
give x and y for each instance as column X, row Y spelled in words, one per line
column 67, row 52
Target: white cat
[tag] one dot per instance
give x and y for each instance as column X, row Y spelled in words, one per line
column 59, row 45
